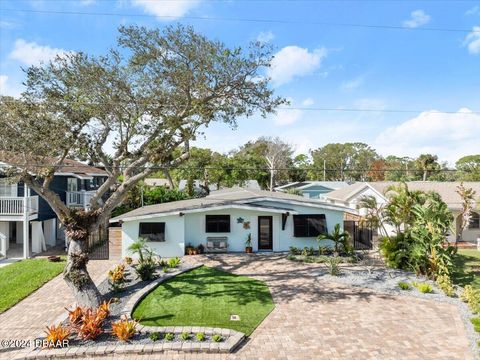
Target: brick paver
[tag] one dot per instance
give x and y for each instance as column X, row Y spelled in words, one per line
column 318, row 320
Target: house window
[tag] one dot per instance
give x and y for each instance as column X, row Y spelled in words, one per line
column 72, row 184
column 217, row 223
column 310, row 225
column 154, row 231
column 6, row 189
column 474, row 221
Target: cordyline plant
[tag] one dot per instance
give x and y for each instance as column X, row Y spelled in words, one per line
column 127, row 111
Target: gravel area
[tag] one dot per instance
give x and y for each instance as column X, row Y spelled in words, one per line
column 386, row 281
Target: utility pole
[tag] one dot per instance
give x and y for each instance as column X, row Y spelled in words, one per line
column 26, row 235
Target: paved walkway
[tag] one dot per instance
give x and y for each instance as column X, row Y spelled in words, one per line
column 311, row 320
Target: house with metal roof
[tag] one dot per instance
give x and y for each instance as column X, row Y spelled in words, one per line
column 223, row 220
column 313, row 189
column 350, row 196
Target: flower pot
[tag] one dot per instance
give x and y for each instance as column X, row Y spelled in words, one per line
column 248, row 249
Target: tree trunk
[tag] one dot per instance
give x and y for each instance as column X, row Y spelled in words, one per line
column 425, row 175
column 77, row 277
column 169, row 178
column 272, row 174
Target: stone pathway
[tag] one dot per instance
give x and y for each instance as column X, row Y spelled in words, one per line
column 318, row 320
column 29, row 317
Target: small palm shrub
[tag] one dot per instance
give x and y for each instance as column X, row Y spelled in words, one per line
column 333, row 266
column 174, row 262
column 291, row 257
column 154, row 336
column 404, row 285
column 307, row 251
column 472, row 297
column 185, row 336
column 217, row 338
column 146, row 266
column 294, row 250
column 445, row 284
column 169, row 336
column 423, row 287
column 124, row 329
column 57, row 334
column 200, row 336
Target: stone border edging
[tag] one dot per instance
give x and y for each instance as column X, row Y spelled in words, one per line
column 234, row 338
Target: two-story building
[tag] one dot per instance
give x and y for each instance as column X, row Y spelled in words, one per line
column 28, row 225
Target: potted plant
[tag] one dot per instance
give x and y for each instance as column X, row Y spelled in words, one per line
column 200, row 249
column 248, row 244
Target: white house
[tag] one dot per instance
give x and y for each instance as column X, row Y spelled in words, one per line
column 224, row 219
column 349, row 196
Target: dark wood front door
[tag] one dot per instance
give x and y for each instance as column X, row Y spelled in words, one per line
column 265, row 240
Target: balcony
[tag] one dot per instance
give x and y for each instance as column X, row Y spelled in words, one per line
column 79, row 199
column 14, row 206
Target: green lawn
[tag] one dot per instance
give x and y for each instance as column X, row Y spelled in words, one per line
column 467, row 268
column 207, row 297
column 20, row 279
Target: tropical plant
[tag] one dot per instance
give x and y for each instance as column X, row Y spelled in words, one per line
column 339, row 238
column 200, row 336
column 445, row 284
column 91, row 325
column 140, row 248
column 57, row 334
column 373, row 218
column 145, row 269
column 185, row 336
column 294, row 250
column 174, row 262
column 117, row 277
column 471, row 296
column 169, row 337
column 154, row 336
column 75, row 315
column 124, row 329
column 333, row 266
column 423, row 287
column 404, row 285
column 217, row 338
column 128, row 260
column 104, row 309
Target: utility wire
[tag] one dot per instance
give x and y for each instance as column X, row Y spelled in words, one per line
column 247, row 20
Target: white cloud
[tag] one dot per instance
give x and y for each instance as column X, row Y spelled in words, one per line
column 30, row 53
column 287, row 116
column 7, row 89
column 308, row 102
column 265, row 36
column 352, row 84
column 450, row 136
column 174, row 9
column 473, row 11
column 472, row 41
column 293, row 61
column 417, row 18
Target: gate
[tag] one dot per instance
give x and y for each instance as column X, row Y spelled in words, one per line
column 362, row 236
column 98, row 244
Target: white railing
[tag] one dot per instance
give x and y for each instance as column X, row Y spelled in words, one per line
column 15, row 205
column 79, row 198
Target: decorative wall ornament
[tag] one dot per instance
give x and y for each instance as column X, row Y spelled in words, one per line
column 246, row 224
column 240, row 220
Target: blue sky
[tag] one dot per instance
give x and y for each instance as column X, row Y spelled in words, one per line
column 317, row 66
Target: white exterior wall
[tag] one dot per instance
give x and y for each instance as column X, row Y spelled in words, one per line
column 174, row 244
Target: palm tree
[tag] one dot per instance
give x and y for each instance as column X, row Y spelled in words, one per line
column 374, row 216
column 139, row 247
column 339, row 238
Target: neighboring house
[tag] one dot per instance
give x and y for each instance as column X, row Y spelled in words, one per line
column 351, row 195
column 198, row 186
column 313, row 189
column 24, row 214
column 224, row 219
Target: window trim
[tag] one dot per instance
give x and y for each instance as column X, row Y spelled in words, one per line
column 309, row 227
column 146, row 236
column 474, row 221
column 217, row 224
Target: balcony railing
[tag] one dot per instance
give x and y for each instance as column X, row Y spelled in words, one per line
column 15, row 205
column 79, row 198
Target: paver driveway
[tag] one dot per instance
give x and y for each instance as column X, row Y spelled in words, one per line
column 318, row 320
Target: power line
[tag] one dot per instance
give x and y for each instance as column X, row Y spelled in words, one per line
column 247, row 20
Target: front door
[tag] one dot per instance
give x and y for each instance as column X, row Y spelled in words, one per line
column 265, row 240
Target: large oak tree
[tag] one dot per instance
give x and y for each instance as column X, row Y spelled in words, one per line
column 128, row 111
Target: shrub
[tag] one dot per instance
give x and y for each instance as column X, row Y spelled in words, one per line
column 57, row 334
column 200, row 336
column 445, row 284
column 291, row 257
column 472, row 298
column 104, row 309
column 309, row 259
column 423, row 287
column 294, row 250
column 217, row 338
column 403, row 285
column 185, row 336
column 324, row 250
column 91, row 325
column 308, row 251
column 476, row 324
column 162, row 263
column 117, row 278
column 124, row 329
column 154, row 336
column 174, row 262
column 75, row 316
column 333, row 266
column 146, row 270
column 128, row 260
column 169, row 336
